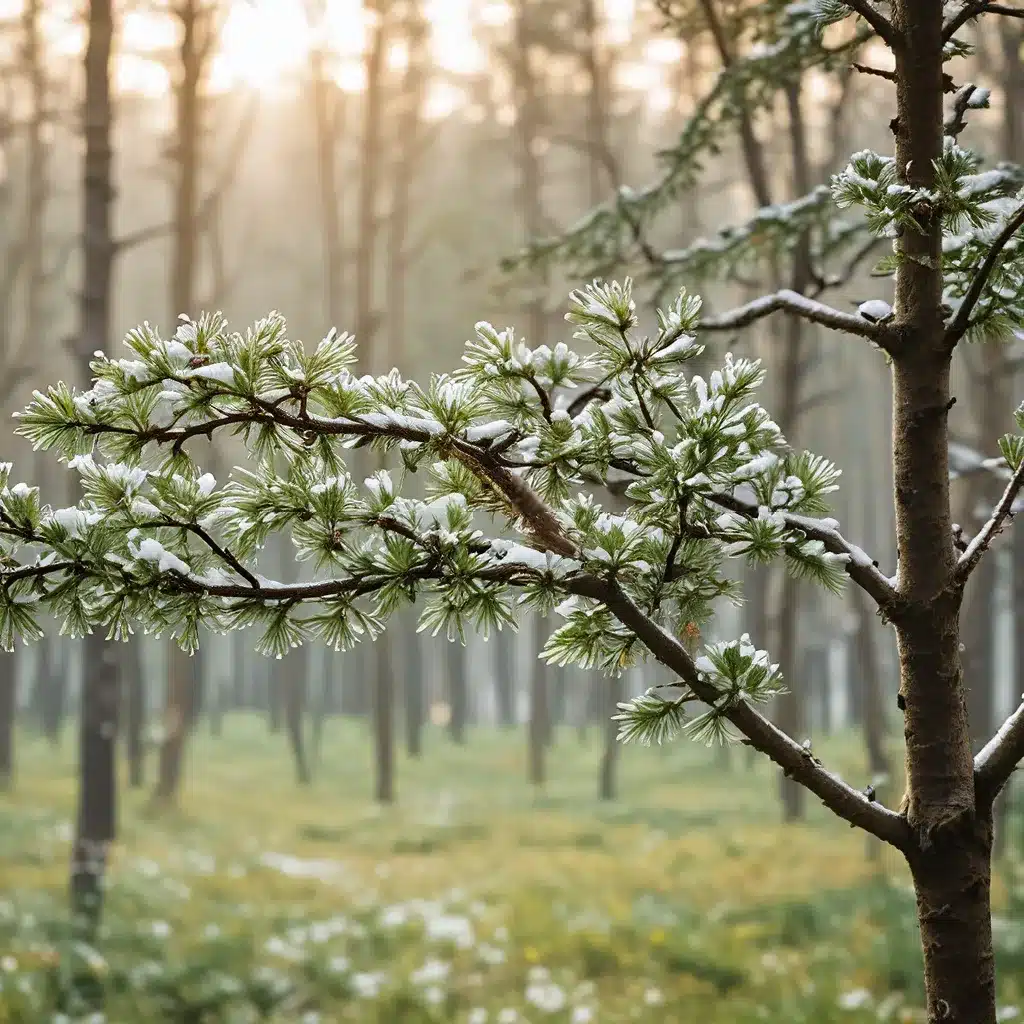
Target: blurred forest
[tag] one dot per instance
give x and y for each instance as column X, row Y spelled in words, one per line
column 369, row 166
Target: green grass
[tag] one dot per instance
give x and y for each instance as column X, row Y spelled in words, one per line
column 474, row 899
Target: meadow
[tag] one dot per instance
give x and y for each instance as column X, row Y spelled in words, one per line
column 474, row 899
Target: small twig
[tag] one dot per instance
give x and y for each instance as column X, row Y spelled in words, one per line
column 597, row 393
column 221, row 552
column 948, row 84
column 545, row 400
column 957, row 120
column 980, row 543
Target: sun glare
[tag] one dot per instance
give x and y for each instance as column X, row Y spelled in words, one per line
column 261, row 42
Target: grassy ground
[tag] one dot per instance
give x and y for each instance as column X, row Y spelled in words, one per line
column 472, row 900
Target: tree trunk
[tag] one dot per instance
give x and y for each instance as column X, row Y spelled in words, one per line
column 96, row 824
column 8, row 714
column 135, row 715
column 294, row 683
column 615, row 693
column 274, row 704
column 328, row 110
column 458, row 692
column 184, row 671
column 324, row 705
column 537, row 730
column 504, row 678
column 556, row 701
column 384, row 723
column 415, row 702
column 951, row 866
column 53, row 672
column 871, row 687
column 178, row 714
column 792, row 710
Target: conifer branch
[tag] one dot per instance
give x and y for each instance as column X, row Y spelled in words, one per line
column 860, row 567
column 961, row 323
column 795, row 760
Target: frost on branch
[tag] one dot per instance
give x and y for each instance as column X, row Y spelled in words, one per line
column 516, row 447
column 737, row 671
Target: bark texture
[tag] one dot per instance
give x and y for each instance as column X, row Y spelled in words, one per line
column 951, row 862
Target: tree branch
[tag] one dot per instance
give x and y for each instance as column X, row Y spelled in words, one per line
column 876, row 20
column 799, row 305
column 980, row 543
column 961, row 323
column 796, row 761
column 860, row 567
column 972, row 10
column 998, row 758
column 222, row 553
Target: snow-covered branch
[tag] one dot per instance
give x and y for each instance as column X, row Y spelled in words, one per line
column 974, row 8
column 961, row 322
column 794, row 759
column 789, row 301
column 980, row 542
column 859, row 565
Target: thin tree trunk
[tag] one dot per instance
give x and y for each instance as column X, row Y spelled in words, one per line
column 384, row 724
column 458, row 692
column 184, row 670
column 873, row 718
column 8, row 713
column 273, row 702
column 178, row 714
column 415, row 703
column 135, row 715
column 791, row 708
column 614, row 694
column 951, row 867
column 96, row 824
column 328, row 110
column 379, row 672
column 537, row 731
column 504, row 678
column 294, row 683
column 55, row 696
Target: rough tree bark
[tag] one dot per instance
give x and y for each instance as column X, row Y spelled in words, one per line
column 950, row 861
